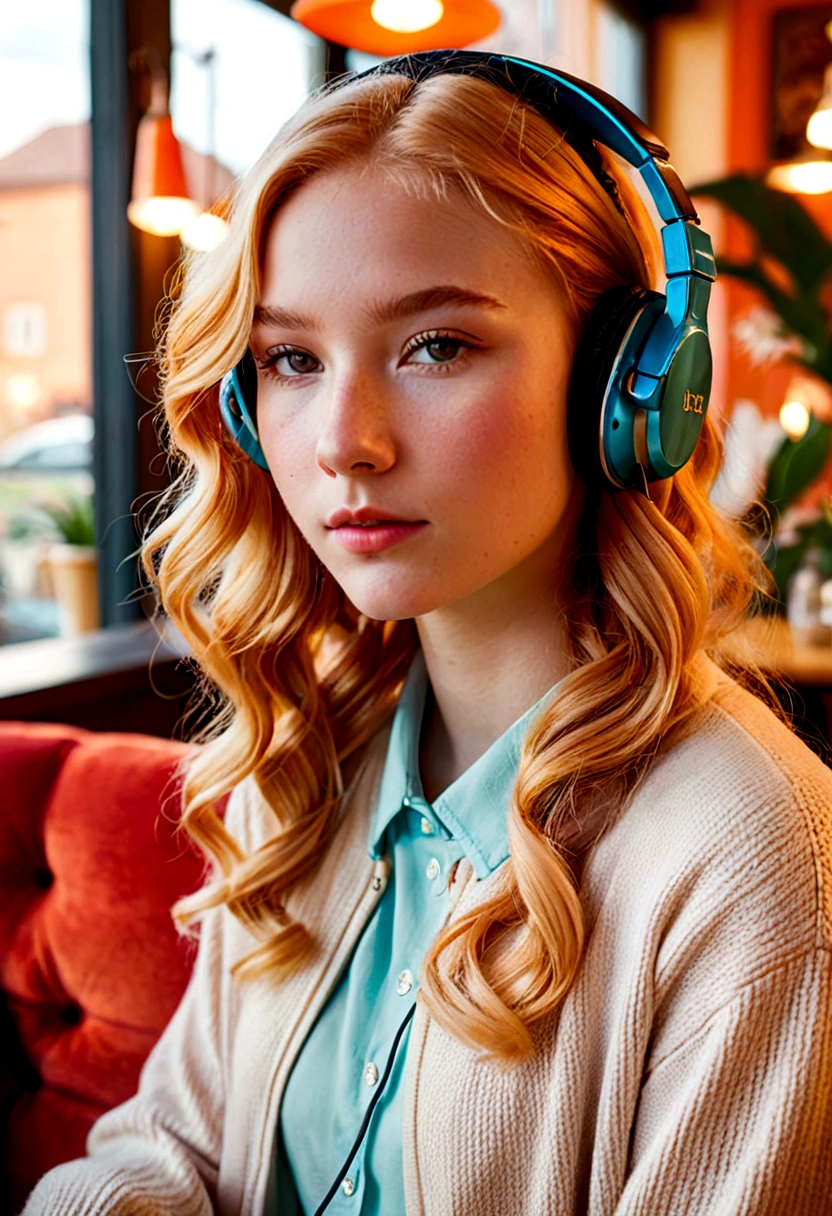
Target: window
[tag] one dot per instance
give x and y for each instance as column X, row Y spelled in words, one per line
column 265, row 67
column 45, row 298
column 24, row 331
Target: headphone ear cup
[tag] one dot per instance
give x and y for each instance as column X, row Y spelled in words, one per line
column 238, row 408
column 597, row 355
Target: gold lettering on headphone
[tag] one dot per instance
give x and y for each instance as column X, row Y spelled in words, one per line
column 694, row 403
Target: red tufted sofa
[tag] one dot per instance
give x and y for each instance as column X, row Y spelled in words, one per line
column 91, row 967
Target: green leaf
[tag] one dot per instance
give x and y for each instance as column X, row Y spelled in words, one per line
column 796, row 465
column 800, row 313
column 73, row 520
column 784, row 229
column 784, row 562
column 821, row 363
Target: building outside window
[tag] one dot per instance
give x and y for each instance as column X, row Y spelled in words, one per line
column 45, row 299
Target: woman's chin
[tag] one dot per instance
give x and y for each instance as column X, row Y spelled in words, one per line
column 392, row 603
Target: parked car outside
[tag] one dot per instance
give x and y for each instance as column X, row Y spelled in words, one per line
column 47, row 464
column 55, row 447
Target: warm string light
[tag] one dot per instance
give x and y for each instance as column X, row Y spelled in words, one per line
column 205, row 233
column 801, row 177
column 794, row 419
column 806, row 397
column 819, row 127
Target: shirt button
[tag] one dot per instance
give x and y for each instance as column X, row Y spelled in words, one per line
column 370, row 1074
column 426, row 826
column 348, row 1186
column 433, row 869
column 404, row 983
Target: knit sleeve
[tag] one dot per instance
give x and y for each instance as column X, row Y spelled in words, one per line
column 738, row 1118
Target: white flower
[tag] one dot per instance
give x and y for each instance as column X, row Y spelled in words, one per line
column 793, row 518
column 750, row 443
column 764, row 337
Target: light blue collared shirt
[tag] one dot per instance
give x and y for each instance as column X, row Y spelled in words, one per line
column 343, row 1058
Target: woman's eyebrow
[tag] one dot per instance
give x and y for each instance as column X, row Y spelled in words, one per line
column 429, row 297
column 384, row 311
column 281, row 318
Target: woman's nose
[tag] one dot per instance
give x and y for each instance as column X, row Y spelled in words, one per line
column 355, row 435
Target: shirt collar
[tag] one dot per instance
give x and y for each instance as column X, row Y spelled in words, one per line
column 474, row 809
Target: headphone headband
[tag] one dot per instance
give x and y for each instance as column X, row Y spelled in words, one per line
column 585, row 114
column 565, row 101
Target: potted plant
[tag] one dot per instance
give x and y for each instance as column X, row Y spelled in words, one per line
column 73, row 561
column 22, row 554
column 790, row 265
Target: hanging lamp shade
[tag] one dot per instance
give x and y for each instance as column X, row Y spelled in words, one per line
column 398, row 27
column 159, row 202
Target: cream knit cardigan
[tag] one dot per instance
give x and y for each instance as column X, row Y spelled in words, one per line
column 690, row 1070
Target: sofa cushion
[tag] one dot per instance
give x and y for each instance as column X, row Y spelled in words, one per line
column 91, row 966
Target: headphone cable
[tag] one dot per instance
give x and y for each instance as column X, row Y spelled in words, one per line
column 368, row 1114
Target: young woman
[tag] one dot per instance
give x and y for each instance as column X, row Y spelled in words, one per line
column 485, row 761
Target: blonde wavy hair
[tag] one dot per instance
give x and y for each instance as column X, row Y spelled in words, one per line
column 302, row 682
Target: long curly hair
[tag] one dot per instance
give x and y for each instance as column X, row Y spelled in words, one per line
column 301, row 681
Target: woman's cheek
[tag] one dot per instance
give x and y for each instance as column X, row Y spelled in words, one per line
column 502, row 443
column 291, row 457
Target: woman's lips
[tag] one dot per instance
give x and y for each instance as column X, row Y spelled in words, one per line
column 376, row 537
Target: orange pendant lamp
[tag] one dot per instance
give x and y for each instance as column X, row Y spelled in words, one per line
column 398, row 27
column 160, row 202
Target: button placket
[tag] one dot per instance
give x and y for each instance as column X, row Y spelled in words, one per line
column 350, row 1194
column 430, row 866
column 427, row 823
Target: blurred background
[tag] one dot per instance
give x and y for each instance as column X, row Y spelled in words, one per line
column 124, row 121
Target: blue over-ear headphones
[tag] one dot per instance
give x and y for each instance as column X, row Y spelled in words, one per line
column 642, row 372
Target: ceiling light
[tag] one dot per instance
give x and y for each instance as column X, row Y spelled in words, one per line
column 159, row 202
column 398, row 27
column 406, row 16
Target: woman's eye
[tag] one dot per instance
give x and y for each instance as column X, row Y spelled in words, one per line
column 289, row 362
column 436, row 350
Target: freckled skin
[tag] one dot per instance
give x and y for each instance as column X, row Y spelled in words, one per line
column 475, row 445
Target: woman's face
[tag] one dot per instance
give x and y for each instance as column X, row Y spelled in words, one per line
column 413, row 364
